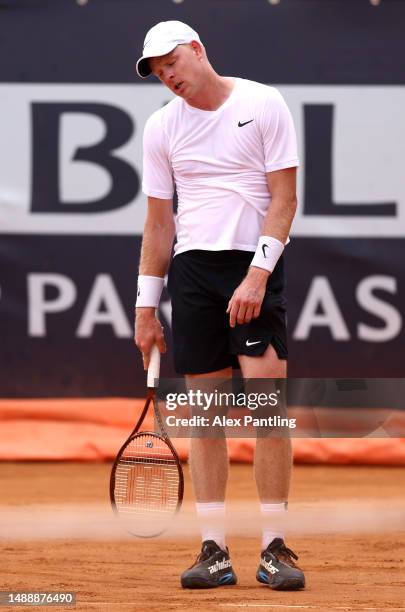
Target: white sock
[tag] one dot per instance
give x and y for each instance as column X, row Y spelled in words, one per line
column 211, row 516
column 273, row 522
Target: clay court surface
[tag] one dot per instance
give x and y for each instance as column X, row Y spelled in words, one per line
column 349, row 564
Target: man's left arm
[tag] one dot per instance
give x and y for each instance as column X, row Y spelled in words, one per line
column 246, row 301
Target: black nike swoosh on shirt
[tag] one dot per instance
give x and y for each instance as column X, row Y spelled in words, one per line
column 245, row 123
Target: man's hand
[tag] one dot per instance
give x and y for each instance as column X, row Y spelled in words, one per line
column 148, row 331
column 246, row 301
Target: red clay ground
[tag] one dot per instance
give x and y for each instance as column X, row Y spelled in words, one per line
column 344, row 571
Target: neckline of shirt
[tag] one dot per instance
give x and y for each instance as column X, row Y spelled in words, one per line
column 208, row 113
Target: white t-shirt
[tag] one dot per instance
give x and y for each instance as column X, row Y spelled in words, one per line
column 218, row 161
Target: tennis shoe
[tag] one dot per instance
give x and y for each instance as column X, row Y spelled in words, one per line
column 278, row 569
column 212, row 568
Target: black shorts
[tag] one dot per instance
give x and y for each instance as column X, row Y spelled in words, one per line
column 200, row 285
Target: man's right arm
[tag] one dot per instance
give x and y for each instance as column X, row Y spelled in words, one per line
column 157, row 243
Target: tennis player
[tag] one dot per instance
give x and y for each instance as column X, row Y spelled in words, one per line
column 228, row 145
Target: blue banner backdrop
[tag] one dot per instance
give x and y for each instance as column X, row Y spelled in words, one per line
column 71, row 212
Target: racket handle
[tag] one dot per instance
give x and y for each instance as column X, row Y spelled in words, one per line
column 154, row 368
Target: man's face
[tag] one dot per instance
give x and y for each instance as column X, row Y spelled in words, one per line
column 179, row 70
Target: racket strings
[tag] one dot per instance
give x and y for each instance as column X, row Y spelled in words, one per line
column 147, row 481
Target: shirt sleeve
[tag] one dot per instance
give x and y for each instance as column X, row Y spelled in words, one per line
column 157, row 172
column 278, row 132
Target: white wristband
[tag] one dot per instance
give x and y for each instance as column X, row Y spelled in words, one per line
column 149, row 291
column 267, row 253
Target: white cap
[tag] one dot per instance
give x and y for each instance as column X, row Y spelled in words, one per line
column 162, row 39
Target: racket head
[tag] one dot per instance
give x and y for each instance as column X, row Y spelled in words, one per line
column 146, row 485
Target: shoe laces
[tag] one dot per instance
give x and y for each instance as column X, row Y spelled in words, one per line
column 282, row 552
column 208, row 549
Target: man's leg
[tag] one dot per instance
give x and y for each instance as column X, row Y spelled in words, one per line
column 273, row 455
column 273, row 465
column 209, row 466
column 209, row 473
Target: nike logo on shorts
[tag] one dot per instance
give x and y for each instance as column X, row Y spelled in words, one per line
column 248, row 343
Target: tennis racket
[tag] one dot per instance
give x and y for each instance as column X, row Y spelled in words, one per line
column 147, row 484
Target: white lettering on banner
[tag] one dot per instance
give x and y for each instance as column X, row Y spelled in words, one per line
column 103, row 305
column 378, row 308
column 320, row 296
column 104, row 308
column 39, row 306
column 360, row 173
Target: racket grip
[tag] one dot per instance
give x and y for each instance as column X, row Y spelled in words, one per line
column 154, row 368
